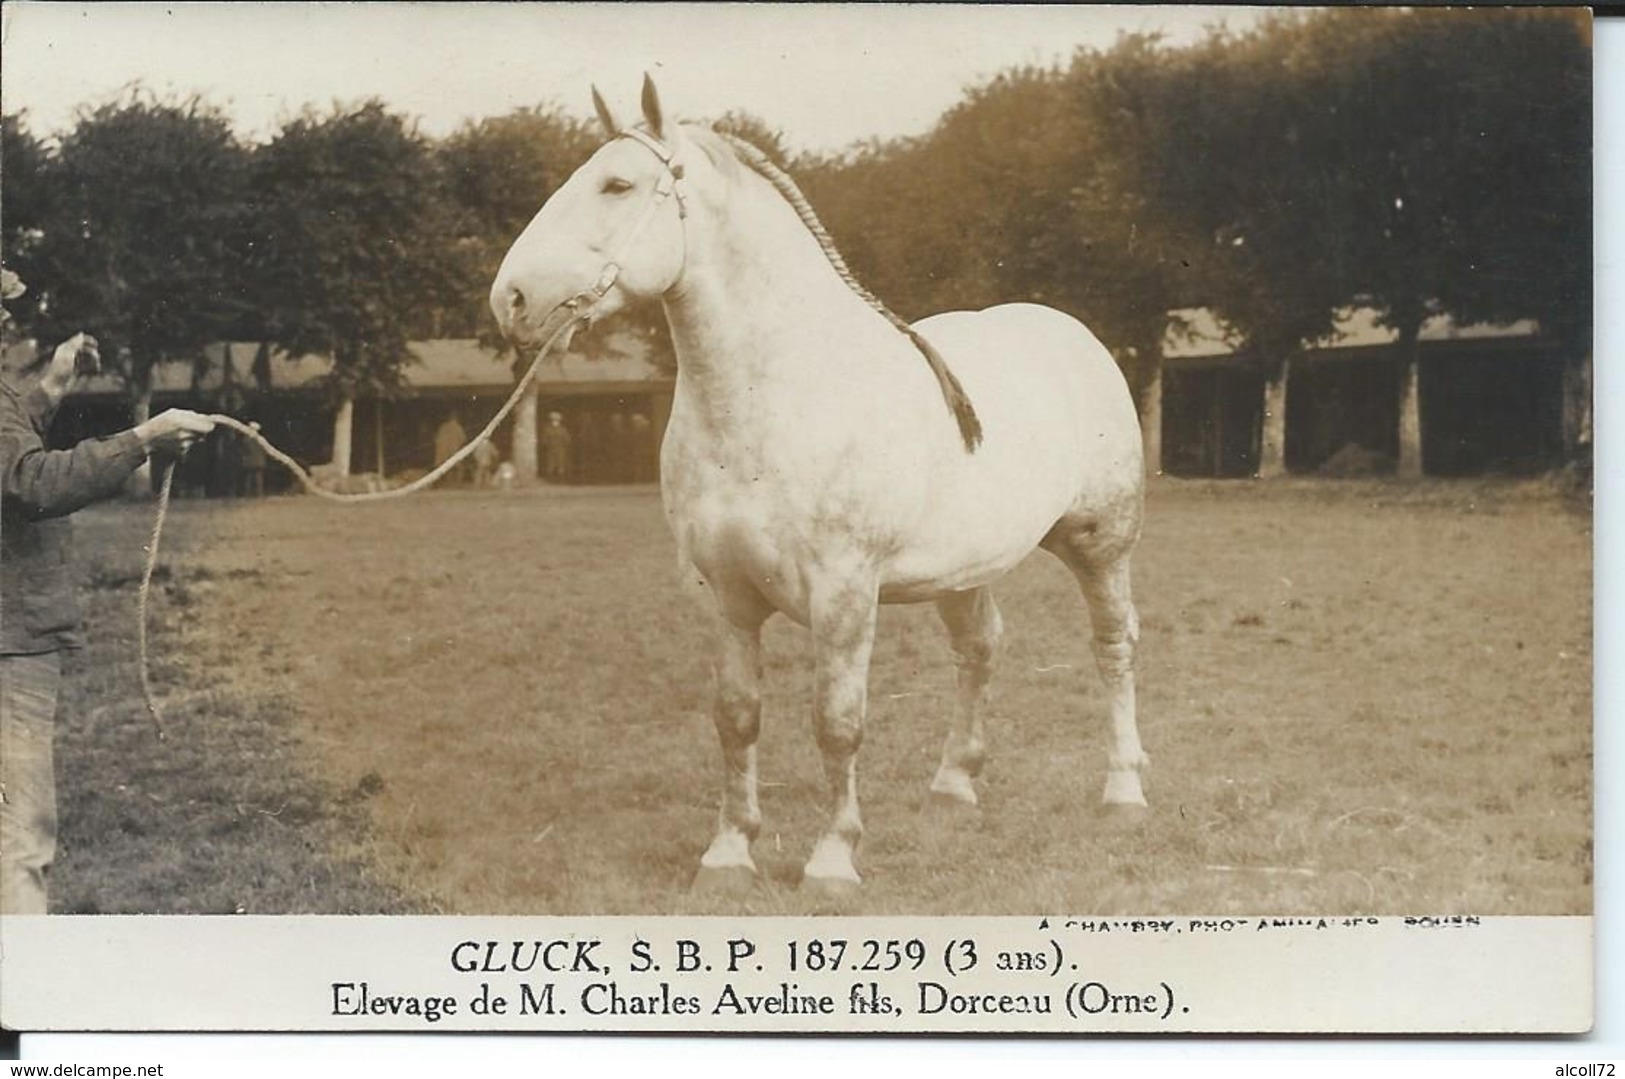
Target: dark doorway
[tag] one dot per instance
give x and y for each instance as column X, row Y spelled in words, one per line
column 1210, row 421
column 1492, row 411
column 1336, row 408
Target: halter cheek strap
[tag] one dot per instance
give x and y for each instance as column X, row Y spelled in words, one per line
column 667, row 184
column 665, row 187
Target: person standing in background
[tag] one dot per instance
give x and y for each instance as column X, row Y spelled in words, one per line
column 450, row 437
column 253, row 464
column 486, row 456
column 555, row 449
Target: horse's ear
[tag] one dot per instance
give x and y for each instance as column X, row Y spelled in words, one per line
column 605, row 117
column 651, row 108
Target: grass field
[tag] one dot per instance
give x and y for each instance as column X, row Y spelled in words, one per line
column 1358, row 698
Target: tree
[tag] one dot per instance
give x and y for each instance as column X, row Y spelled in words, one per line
column 1476, row 206
column 1148, row 251
column 867, row 199
column 25, row 211
column 1302, row 161
column 1520, row 167
column 351, row 247
column 494, row 175
column 1220, row 139
column 139, row 237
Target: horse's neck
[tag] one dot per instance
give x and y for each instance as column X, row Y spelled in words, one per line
column 757, row 292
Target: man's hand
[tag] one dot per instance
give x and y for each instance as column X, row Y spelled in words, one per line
column 73, row 357
column 172, row 433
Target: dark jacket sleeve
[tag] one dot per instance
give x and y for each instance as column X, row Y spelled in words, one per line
column 53, row 483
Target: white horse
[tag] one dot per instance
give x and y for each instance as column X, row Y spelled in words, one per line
column 810, row 465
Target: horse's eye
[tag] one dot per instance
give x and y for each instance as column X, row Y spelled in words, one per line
column 616, row 186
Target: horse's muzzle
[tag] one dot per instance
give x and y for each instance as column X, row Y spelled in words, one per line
column 526, row 327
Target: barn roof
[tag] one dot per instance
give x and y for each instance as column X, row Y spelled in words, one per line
column 1195, row 332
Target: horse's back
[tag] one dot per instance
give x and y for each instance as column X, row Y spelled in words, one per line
column 1020, row 348
column 1035, row 373
column 1060, row 438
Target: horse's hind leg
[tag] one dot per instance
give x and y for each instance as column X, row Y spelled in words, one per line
column 974, row 630
column 1102, row 569
column 727, row 866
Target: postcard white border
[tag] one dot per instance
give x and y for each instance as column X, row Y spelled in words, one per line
column 1607, row 1038
column 1026, row 975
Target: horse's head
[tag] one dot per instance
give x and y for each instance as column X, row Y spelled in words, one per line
column 610, row 235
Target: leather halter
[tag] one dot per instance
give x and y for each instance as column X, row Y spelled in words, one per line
column 665, row 187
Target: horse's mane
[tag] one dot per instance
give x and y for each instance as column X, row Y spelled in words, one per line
column 752, row 156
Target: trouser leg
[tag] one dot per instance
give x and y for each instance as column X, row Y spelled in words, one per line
column 29, row 687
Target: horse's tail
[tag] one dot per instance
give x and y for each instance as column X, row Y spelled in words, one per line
column 970, row 427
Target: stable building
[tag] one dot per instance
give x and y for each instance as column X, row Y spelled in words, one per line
column 613, row 401
column 1479, row 399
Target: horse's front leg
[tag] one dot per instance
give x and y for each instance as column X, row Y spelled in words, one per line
column 842, row 618
column 727, row 866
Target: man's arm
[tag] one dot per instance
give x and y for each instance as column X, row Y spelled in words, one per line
column 46, row 483
column 54, row 483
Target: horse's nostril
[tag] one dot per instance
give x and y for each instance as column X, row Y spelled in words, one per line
column 516, row 302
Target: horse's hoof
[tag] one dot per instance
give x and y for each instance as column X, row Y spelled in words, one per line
column 1124, row 816
column 724, row 881
column 832, row 894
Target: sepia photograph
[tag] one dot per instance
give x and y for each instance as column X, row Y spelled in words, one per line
column 817, row 490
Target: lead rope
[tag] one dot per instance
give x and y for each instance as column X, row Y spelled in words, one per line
column 144, row 597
